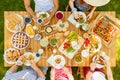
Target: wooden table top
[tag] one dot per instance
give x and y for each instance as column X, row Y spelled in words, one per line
column 35, row 45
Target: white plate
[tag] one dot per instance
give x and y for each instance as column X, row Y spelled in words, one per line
column 61, row 64
column 97, row 65
column 74, row 22
column 5, row 56
column 85, row 53
column 21, row 24
column 43, row 13
column 36, row 59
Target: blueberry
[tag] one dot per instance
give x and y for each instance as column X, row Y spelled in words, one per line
column 27, row 19
column 39, row 20
column 37, row 54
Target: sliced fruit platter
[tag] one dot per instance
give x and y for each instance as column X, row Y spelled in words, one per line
column 93, row 44
column 71, row 45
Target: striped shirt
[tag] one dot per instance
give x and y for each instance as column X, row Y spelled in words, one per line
column 43, row 5
column 32, row 75
column 97, row 75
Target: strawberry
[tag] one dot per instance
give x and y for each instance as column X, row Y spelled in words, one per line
column 86, row 42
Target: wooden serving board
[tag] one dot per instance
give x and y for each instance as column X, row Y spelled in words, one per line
column 71, row 55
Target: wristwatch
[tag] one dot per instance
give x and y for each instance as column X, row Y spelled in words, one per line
column 74, row 9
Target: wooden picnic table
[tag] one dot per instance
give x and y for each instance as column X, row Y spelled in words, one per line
column 35, row 45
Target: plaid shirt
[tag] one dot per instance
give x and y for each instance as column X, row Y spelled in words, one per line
column 32, row 75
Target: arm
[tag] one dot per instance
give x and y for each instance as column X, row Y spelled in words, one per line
column 71, row 3
column 91, row 13
column 109, row 72
column 39, row 71
column 52, row 74
column 29, row 9
column 13, row 68
column 56, row 6
column 92, row 69
column 73, row 9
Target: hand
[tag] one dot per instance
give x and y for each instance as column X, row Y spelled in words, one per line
column 20, row 60
column 33, row 65
column 93, row 66
column 75, row 14
column 89, row 16
column 107, row 63
column 20, row 79
column 21, row 57
column 47, row 20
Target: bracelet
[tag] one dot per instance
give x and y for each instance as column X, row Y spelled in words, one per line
column 74, row 9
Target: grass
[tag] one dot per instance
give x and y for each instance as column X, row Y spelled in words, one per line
column 17, row 5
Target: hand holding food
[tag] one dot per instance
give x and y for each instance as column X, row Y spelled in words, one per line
column 75, row 14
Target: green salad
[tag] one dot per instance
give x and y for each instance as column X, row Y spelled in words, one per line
column 70, row 50
column 72, row 36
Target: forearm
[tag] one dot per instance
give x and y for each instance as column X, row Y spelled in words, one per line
column 28, row 8
column 52, row 76
column 56, row 6
column 93, row 9
column 109, row 74
column 88, row 76
column 71, row 3
column 39, row 72
column 13, row 68
column 30, row 11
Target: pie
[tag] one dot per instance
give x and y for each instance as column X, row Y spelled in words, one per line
column 20, row 40
column 105, row 29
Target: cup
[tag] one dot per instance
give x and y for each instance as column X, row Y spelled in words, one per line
column 85, row 53
column 37, row 37
column 40, row 51
column 85, row 27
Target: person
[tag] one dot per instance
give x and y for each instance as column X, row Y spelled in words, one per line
column 27, row 73
column 64, row 73
column 42, row 6
column 94, row 74
column 85, row 5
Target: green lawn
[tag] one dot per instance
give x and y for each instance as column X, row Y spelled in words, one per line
column 17, row 5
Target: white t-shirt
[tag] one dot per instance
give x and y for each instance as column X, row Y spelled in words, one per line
column 43, row 5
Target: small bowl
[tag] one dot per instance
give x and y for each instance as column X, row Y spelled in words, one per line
column 53, row 43
column 37, row 37
column 27, row 20
column 85, row 27
column 59, row 15
column 78, row 62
